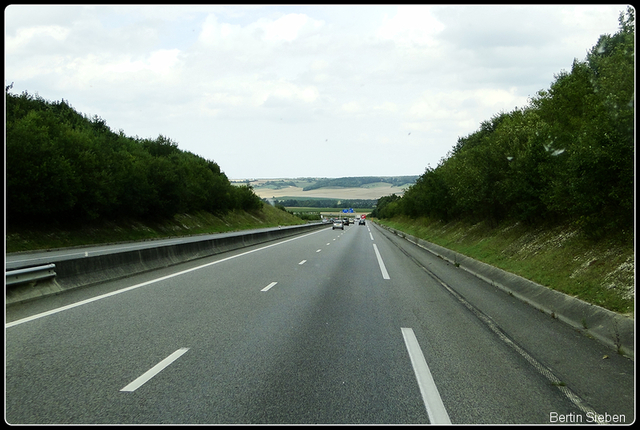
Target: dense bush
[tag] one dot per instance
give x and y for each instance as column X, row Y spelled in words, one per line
column 568, row 155
column 63, row 166
column 387, row 207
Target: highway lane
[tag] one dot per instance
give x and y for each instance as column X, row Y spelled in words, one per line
column 305, row 330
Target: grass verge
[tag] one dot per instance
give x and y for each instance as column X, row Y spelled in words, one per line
column 117, row 231
column 601, row 273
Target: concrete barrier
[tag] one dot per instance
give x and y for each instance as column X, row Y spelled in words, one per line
column 610, row 328
column 85, row 271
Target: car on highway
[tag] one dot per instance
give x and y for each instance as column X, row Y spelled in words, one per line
column 361, row 222
column 338, row 224
column 346, row 221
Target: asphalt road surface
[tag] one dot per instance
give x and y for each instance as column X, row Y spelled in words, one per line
column 350, row 327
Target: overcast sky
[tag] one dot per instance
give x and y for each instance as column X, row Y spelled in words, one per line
column 295, row 91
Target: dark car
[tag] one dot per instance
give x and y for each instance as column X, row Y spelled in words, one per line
column 346, row 221
column 361, row 222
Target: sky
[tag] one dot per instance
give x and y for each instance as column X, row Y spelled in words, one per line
column 294, row 91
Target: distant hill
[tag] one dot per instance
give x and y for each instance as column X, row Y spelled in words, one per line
column 359, row 181
column 349, row 188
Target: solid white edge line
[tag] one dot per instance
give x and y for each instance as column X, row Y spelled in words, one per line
column 137, row 383
column 430, row 395
column 383, row 269
column 133, row 287
column 268, row 287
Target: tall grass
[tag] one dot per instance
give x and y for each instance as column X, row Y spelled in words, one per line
column 599, row 272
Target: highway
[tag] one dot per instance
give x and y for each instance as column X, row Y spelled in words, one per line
column 330, row 327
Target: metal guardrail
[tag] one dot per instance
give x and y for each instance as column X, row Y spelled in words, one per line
column 30, row 274
column 105, row 266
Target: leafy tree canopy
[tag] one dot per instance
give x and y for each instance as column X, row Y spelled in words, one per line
column 568, row 155
column 66, row 167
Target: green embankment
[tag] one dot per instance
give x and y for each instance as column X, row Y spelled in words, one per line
column 27, row 239
column 601, row 273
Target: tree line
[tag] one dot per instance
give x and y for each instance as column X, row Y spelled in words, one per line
column 568, row 155
column 62, row 166
column 327, row 203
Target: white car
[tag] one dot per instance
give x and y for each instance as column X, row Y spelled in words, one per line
column 338, row 224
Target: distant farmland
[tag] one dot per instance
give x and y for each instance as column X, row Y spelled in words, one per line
column 330, row 193
column 284, row 188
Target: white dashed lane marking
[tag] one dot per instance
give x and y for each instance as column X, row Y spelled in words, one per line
column 137, row 383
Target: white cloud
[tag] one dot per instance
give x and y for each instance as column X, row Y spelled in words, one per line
column 217, row 78
column 351, row 107
column 285, row 28
column 213, row 33
column 254, row 36
column 412, row 24
column 38, row 35
column 163, row 60
column 288, row 91
column 385, row 107
column 461, row 110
